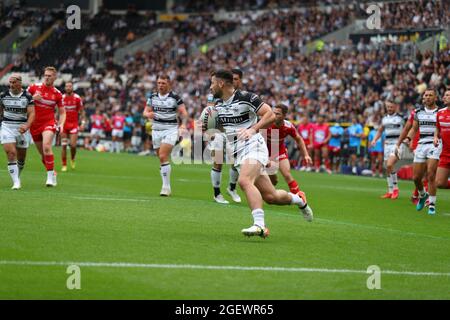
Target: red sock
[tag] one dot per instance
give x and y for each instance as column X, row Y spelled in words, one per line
column 64, row 160
column 425, row 185
column 448, row 184
column 49, row 162
column 328, row 164
column 416, row 193
column 293, row 187
column 317, row 163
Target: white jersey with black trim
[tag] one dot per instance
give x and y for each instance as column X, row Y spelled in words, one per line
column 15, row 107
column 165, row 109
column 427, row 123
column 238, row 112
column 393, row 126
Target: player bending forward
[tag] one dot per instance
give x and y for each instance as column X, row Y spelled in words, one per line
column 238, row 113
column 17, row 111
column 276, row 134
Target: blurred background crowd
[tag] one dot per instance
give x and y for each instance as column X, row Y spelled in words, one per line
column 281, row 47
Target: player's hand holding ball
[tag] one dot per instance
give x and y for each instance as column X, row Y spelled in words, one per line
column 245, row 134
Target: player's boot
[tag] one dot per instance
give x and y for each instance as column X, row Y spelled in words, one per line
column 421, row 202
column 165, row 192
column 387, row 195
column 16, row 186
column 432, row 209
column 234, row 195
column 394, row 194
column 51, row 179
column 220, row 199
column 306, row 209
column 256, row 231
column 72, row 164
column 64, row 169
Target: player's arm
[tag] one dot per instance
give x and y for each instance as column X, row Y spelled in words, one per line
column 302, row 147
column 437, row 134
column 1, row 112
column 328, row 137
column 404, row 134
column 377, row 136
column 148, row 109
column 61, row 113
column 266, row 118
column 182, row 113
column 30, row 118
column 412, row 132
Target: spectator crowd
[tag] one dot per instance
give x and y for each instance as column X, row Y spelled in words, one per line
column 339, row 82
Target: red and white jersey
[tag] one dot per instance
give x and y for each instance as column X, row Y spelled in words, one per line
column 306, row 132
column 276, row 138
column 73, row 105
column 118, row 122
column 320, row 133
column 415, row 141
column 443, row 125
column 97, row 121
column 45, row 108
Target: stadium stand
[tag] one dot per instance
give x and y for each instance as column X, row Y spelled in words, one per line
column 338, row 80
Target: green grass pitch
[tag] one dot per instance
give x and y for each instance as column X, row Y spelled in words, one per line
column 109, row 211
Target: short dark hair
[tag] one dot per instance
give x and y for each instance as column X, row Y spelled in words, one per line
column 431, row 89
column 284, row 108
column 164, row 76
column 238, row 72
column 225, row 75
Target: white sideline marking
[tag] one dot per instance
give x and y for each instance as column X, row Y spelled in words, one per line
column 206, row 267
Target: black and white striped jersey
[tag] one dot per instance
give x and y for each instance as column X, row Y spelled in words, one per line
column 165, row 110
column 393, row 126
column 238, row 112
column 15, row 106
column 427, row 123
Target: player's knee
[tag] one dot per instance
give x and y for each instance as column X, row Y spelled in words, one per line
column 269, row 198
column 11, row 155
column 244, row 182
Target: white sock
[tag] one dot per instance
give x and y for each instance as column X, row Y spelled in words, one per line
column 258, row 217
column 50, row 174
column 394, row 180
column 432, row 200
column 390, row 183
column 216, row 178
column 13, row 171
column 234, row 175
column 165, row 174
column 296, row 199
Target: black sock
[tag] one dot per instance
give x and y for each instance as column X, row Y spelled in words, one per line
column 216, row 192
column 232, row 186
